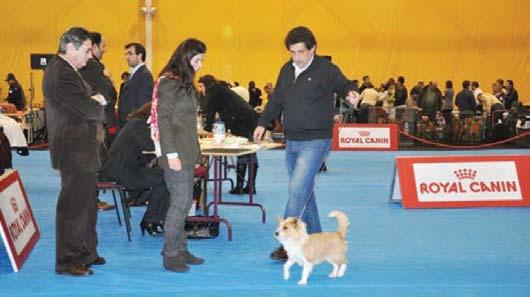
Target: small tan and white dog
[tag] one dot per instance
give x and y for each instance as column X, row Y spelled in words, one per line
column 308, row 250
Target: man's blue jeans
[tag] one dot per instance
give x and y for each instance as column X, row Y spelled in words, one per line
column 303, row 160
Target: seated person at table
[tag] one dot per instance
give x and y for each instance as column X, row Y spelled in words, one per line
column 16, row 93
column 127, row 164
column 238, row 116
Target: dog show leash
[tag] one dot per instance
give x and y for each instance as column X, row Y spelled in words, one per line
column 317, row 177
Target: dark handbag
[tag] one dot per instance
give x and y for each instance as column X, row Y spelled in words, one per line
column 201, row 230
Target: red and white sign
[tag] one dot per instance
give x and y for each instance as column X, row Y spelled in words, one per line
column 464, row 181
column 374, row 137
column 17, row 225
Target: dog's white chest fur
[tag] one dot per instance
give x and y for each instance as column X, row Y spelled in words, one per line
column 296, row 254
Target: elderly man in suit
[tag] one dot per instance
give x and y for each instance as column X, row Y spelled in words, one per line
column 138, row 90
column 75, row 124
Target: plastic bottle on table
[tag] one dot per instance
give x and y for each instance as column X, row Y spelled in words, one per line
column 219, row 131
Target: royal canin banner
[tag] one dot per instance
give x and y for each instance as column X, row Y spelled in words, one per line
column 18, row 227
column 464, row 181
column 369, row 137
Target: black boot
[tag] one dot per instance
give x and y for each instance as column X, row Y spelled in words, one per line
column 253, row 177
column 241, row 170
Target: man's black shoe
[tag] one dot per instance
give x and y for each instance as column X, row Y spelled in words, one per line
column 74, row 270
column 279, row 254
column 99, row 261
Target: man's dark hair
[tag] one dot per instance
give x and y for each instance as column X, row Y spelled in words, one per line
column 401, row 79
column 365, row 77
column 465, row 84
column 509, row 81
column 138, row 49
column 300, row 34
column 95, row 37
column 449, row 84
column 75, row 35
column 475, row 84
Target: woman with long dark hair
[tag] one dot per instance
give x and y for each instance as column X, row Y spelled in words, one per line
column 174, row 130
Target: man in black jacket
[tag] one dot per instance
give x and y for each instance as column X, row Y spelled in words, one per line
column 16, row 93
column 511, row 96
column 138, row 90
column 75, row 126
column 304, row 92
column 94, row 74
column 465, row 101
column 238, row 116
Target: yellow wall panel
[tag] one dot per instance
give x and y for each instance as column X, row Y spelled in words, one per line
column 422, row 40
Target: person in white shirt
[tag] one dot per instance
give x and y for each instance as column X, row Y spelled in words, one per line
column 241, row 91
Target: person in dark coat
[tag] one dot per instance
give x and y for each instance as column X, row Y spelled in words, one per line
column 465, row 101
column 254, row 94
column 401, row 92
column 94, row 75
column 75, row 125
column 239, row 117
column 512, row 97
column 138, row 89
column 16, row 93
column 129, row 166
column 430, row 101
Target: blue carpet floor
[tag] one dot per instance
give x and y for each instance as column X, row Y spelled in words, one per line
column 393, row 252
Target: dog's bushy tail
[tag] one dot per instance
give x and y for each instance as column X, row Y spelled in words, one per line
column 343, row 221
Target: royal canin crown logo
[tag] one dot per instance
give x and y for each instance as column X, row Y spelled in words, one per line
column 364, row 133
column 465, row 173
column 14, row 205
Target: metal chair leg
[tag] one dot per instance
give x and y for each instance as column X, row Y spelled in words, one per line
column 126, row 213
column 116, row 204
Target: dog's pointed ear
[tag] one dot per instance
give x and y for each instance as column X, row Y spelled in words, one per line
column 279, row 220
column 296, row 222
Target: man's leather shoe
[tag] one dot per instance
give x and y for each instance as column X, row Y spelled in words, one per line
column 103, row 206
column 98, row 261
column 136, row 202
column 190, row 259
column 74, row 270
column 279, row 254
column 175, row 264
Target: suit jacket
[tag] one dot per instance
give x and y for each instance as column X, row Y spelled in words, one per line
column 137, row 91
column 465, row 101
column 126, row 163
column 93, row 74
column 238, row 115
column 72, row 117
column 177, row 123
